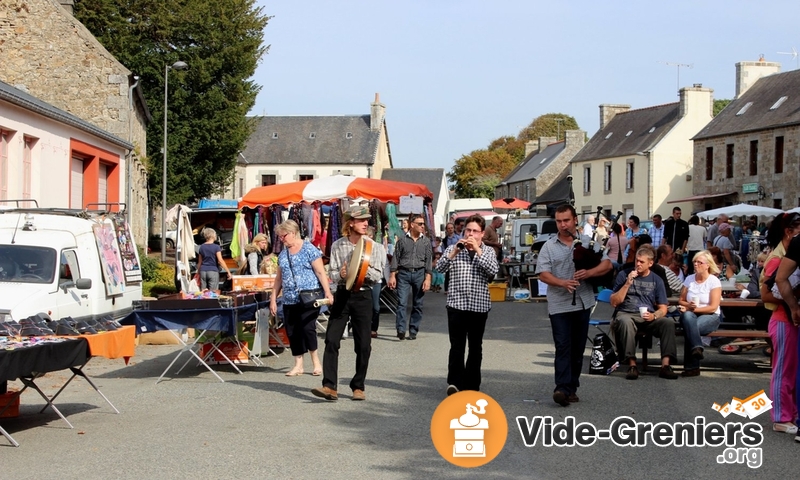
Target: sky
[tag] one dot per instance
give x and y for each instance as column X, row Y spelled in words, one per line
column 456, row 74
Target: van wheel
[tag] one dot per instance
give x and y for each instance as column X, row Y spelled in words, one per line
column 170, row 244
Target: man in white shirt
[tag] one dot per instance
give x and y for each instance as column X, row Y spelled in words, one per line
column 588, row 228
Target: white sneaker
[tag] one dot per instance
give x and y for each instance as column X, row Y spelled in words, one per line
column 785, row 427
column 451, row 389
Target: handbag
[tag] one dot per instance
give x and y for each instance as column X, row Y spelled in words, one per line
column 307, row 297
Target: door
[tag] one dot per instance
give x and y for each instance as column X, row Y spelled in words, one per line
column 71, row 302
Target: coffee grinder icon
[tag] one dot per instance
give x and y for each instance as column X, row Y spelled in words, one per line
column 469, row 431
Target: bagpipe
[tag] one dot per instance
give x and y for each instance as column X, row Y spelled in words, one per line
column 589, row 257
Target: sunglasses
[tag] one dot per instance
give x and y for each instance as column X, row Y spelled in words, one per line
column 419, row 224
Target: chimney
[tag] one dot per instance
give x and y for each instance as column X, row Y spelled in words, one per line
column 575, row 138
column 68, row 5
column 531, row 146
column 545, row 141
column 377, row 113
column 696, row 100
column 608, row 110
column 748, row 73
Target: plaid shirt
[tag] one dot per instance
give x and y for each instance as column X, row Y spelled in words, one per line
column 469, row 278
column 556, row 257
column 342, row 250
column 657, row 234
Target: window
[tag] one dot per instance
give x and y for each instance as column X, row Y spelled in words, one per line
column 4, row 137
column 241, row 188
column 778, row 103
column 274, row 135
column 777, row 203
column 27, row 167
column 779, row 154
column 754, row 157
column 587, row 179
column 744, row 109
column 709, row 163
column 729, row 160
column 607, row 178
column 348, row 135
column 313, row 135
column 516, row 191
column 629, row 175
column 267, row 180
column 527, row 192
column 76, row 183
column 305, row 177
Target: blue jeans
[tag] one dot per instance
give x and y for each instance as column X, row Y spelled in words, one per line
column 376, row 305
column 569, row 335
column 406, row 279
column 694, row 327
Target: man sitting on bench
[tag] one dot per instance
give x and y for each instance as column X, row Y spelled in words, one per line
column 640, row 302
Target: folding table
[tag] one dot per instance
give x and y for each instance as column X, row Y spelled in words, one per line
column 31, row 362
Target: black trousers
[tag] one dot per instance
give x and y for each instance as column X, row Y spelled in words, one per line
column 465, row 328
column 357, row 307
column 301, row 328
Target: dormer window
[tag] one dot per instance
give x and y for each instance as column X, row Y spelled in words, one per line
column 744, row 109
column 274, row 135
column 313, row 135
column 348, row 135
column 779, row 102
column 629, row 133
column 609, row 135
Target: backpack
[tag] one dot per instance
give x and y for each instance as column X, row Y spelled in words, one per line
column 603, row 360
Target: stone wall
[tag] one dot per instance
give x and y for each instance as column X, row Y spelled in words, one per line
column 49, row 54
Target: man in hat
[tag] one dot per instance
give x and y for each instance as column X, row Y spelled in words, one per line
column 353, row 305
column 713, row 229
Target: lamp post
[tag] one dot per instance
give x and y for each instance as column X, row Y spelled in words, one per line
column 176, row 66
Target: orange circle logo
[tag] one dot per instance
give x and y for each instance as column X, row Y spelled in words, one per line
column 469, row 429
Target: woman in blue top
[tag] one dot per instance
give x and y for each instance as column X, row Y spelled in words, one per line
column 299, row 268
column 209, row 261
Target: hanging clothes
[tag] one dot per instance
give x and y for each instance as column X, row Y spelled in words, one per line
column 395, row 231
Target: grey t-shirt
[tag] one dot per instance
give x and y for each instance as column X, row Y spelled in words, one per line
column 646, row 291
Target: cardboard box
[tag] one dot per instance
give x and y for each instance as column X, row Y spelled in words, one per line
column 13, row 410
column 164, row 337
column 497, row 292
column 235, row 352
column 252, row 282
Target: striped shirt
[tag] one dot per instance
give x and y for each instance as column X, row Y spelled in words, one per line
column 469, row 278
column 556, row 257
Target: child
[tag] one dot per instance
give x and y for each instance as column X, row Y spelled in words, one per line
column 438, row 278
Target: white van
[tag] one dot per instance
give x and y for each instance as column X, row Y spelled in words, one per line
column 466, row 204
column 51, row 261
column 522, row 233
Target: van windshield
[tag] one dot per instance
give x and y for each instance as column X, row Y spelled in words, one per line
column 26, row 264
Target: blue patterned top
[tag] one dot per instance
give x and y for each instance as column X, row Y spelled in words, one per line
column 303, row 271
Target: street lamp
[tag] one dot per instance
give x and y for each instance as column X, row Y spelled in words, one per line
column 176, row 66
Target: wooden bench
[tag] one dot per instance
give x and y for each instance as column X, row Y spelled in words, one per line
column 739, row 333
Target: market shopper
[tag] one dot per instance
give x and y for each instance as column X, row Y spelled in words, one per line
column 353, row 305
column 411, row 272
column 570, row 300
column 471, row 264
column 255, row 253
column 700, row 312
column 299, row 268
column 209, row 261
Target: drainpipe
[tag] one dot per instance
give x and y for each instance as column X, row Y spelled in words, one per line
column 128, row 166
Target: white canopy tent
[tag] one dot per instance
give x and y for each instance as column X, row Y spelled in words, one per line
column 742, row 209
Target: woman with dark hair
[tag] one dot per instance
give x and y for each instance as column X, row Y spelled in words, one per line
column 782, row 332
column 697, row 240
column 617, row 243
column 726, row 271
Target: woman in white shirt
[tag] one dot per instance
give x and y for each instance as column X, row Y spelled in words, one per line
column 697, row 239
column 699, row 306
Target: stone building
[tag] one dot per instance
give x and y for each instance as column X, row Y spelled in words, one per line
column 285, row 149
column 545, row 161
column 50, row 55
column 641, row 159
column 750, row 152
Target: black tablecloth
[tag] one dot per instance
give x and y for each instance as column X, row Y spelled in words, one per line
column 42, row 358
column 214, row 319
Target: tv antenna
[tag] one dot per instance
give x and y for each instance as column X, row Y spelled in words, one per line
column 679, row 65
column 793, row 53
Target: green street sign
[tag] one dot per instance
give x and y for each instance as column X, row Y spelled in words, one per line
column 750, row 188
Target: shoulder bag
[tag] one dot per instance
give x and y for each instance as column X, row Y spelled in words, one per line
column 307, row 297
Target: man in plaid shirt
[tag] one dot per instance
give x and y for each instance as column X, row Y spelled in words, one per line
column 569, row 301
column 471, row 265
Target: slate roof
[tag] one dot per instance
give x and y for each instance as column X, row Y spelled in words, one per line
column 535, row 163
column 558, row 191
column 27, row 101
column 759, row 116
column 660, row 119
column 330, row 144
column 430, row 177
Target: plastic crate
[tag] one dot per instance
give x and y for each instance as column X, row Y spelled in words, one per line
column 497, row 292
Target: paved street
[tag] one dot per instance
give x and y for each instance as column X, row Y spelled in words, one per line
column 264, row 425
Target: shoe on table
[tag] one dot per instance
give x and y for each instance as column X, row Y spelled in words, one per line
column 358, row 395
column 573, row 398
column 667, row 372
column 451, row 389
column 691, row 372
column 325, row 392
column 633, row 373
column 561, row 398
column 785, row 427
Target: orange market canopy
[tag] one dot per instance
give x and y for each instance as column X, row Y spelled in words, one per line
column 510, row 203
column 332, row 188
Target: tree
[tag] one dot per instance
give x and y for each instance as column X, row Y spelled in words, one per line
column 719, row 105
column 477, row 174
column 221, row 41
